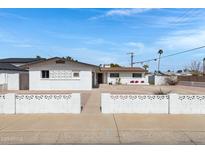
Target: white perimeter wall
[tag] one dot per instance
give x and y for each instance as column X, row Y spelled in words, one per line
column 127, row 77
column 160, row 80
column 2, row 78
column 111, row 103
column 187, row 104
column 7, row 103
column 11, row 79
column 168, row 104
column 37, row 103
column 37, row 83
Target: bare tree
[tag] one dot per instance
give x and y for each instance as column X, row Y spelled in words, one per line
column 195, row 68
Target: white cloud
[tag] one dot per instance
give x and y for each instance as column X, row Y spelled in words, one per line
column 184, row 39
column 121, row 12
column 137, row 47
column 125, row 12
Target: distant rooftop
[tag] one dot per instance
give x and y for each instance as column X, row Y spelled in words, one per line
column 20, row 60
column 10, row 67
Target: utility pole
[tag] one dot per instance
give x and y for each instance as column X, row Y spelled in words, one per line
column 131, row 56
column 204, row 66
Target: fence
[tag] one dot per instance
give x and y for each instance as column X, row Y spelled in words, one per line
column 192, row 78
column 40, row 103
column 166, row 104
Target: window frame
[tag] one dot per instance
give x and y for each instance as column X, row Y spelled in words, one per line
column 114, row 75
column 45, row 74
column 74, row 77
column 137, row 76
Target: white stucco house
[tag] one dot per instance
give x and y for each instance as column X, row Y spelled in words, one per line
column 64, row 74
column 122, row 75
column 61, row 74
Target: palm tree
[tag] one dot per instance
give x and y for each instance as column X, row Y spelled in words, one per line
column 160, row 52
column 145, row 67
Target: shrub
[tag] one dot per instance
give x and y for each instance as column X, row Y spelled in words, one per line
column 161, row 92
column 172, row 80
column 118, row 81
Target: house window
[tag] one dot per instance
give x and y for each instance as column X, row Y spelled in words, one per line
column 136, row 75
column 45, row 74
column 76, row 74
column 114, row 75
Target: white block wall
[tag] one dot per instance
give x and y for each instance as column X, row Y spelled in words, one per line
column 187, row 104
column 111, row 103
column 49, row 103
column 168, row 104
column 40, row 103
column 7, row 103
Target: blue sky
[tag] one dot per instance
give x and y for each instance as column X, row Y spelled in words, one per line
column 101, row 36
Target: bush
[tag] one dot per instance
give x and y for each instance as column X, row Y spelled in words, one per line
column 172, row 80
column 161, row 92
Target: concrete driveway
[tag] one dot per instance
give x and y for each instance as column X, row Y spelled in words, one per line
column 93, row 127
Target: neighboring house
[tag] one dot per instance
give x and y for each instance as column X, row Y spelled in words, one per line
column 10, row 76
column 20, row 75
column 20, row 61
column 61, row 74
column 122, row 75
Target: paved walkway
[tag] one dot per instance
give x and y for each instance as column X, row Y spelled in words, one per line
column 91, row 102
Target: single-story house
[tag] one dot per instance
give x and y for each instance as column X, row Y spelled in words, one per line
column 61, row 74
column 122, row 75
column 11, row 77
column 64, row 74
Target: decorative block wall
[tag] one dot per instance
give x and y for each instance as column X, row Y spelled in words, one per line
column 40, row 103
column 112, row 103
column 167, row 104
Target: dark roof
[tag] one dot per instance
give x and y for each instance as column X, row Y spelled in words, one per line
column 10, row 67
column 20, row 60
column 122, row 69
column 58, row 58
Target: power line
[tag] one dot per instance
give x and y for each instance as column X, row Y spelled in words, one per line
column 177, row 53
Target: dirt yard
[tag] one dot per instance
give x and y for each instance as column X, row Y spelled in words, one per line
column 125, row 89
column 151, row 89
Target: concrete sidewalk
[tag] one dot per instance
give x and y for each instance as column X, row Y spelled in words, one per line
column 102, row 129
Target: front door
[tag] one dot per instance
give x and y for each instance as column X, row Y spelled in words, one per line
column 100, row 78
column 24, row 81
